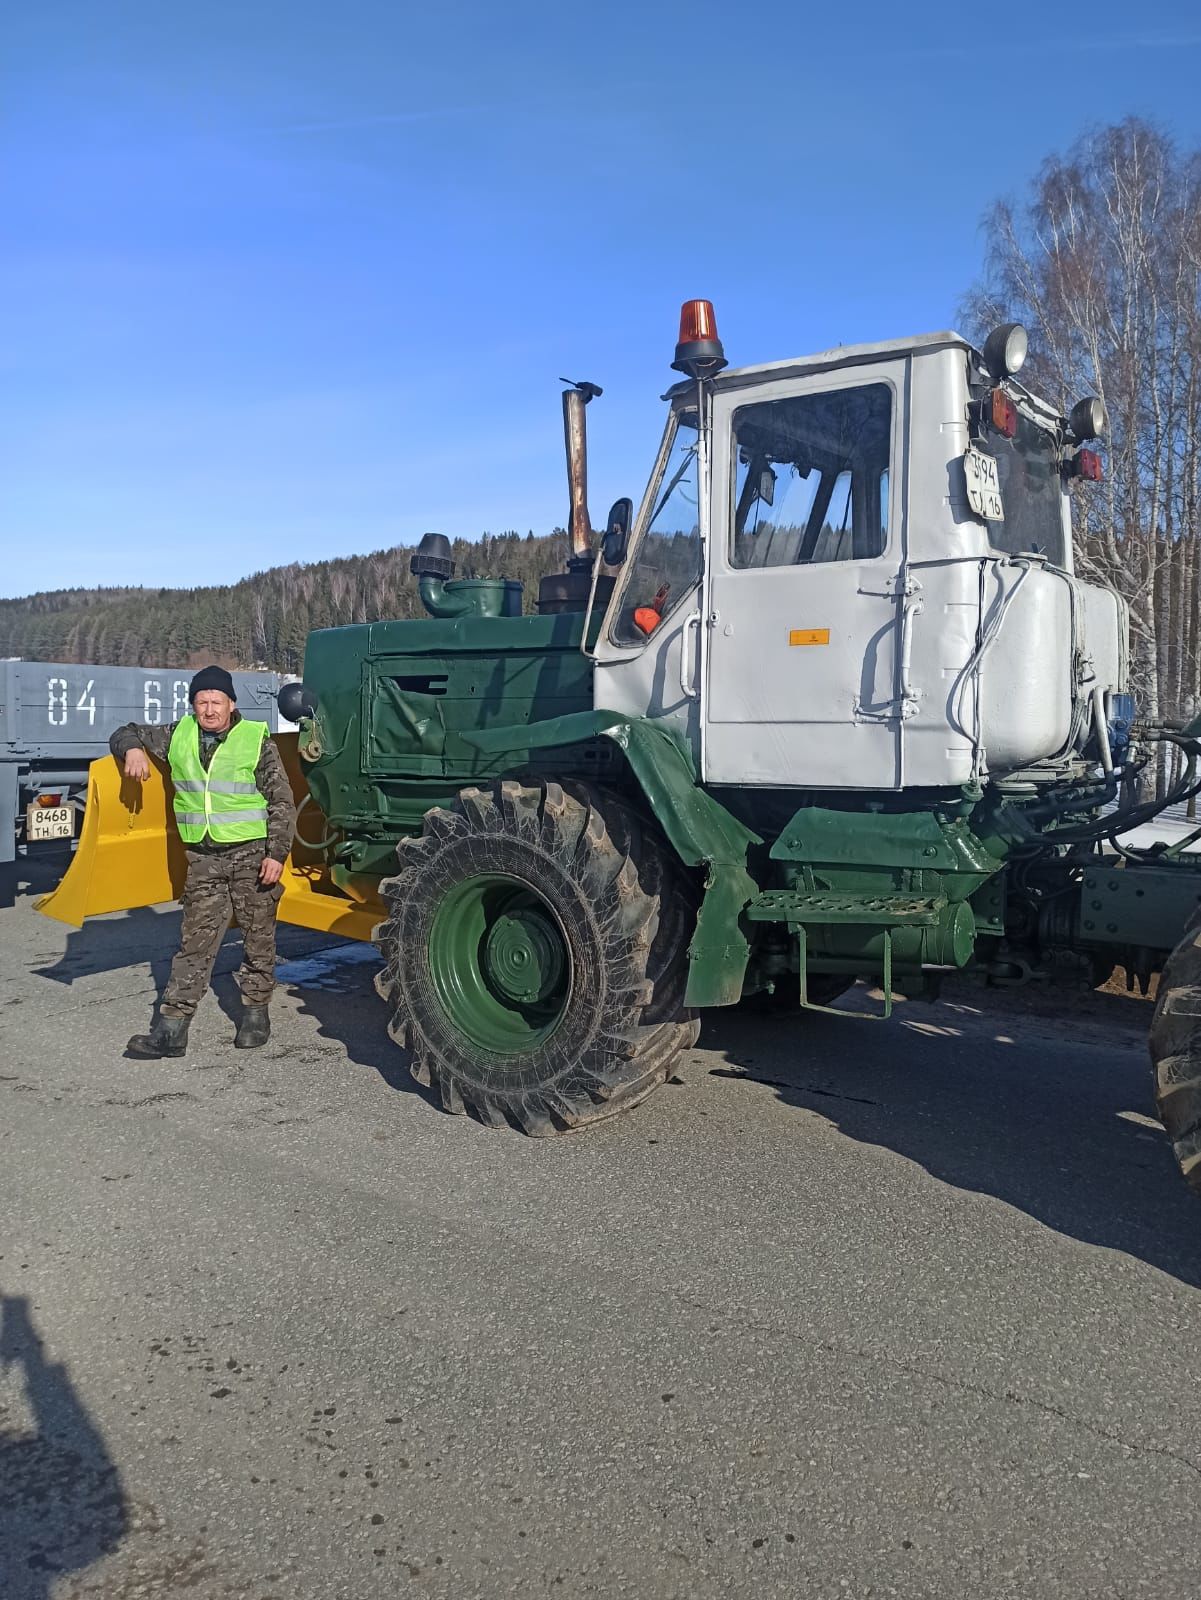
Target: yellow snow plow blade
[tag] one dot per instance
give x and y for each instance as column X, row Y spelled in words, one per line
column 130, row 855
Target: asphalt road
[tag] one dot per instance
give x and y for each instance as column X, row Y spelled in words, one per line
column 855, row 1309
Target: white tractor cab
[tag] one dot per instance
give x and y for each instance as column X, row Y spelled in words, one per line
column 854, row 570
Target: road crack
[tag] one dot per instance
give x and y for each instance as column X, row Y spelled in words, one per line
column 742, row 1076
column 943, row 1381
column 150, row 1100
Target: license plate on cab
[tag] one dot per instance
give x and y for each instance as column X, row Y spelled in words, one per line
column 983, row 485
column 50, row 822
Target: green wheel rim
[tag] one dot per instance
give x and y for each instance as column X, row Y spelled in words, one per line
column 500, row 963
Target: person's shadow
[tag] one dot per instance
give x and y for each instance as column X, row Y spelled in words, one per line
column 62, row 1504
column 144, row 934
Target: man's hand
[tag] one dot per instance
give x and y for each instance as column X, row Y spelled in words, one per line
column 271, row 871
column 137, row 764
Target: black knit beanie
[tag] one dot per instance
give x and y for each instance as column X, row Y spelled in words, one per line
column 211, row 678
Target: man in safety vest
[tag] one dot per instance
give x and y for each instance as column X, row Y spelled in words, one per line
column 235, row 814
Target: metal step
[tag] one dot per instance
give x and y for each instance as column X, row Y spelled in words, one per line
column 827, row 907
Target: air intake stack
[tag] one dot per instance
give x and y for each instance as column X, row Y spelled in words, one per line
column 445, row 596
column 568, row 591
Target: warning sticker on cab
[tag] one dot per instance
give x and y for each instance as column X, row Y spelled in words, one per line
column 809, row 636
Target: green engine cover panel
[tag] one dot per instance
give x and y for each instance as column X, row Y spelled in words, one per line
column 398, row 701
column 408, row 713
column 424, row 684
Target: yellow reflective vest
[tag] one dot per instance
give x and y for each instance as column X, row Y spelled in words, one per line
column 222, row 804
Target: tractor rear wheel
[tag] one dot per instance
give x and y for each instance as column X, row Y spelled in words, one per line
column 535, row 957
column 1176, row 1052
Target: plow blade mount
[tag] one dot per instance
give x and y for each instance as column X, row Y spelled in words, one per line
column 130, row 855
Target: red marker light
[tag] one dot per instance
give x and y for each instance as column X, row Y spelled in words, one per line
column 1087, row 464
column 1004, row 414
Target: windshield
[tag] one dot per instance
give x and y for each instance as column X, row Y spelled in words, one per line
column 666, row 562
column 1031, row 492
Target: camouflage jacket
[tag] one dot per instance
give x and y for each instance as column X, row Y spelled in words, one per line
column 270, row 776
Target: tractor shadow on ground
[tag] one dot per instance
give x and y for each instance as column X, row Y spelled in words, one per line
column 335, row 987
column 1040, row 1103
column 62, row 1504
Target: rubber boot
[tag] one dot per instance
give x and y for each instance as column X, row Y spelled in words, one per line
column 168, row 1037
column 254, row 1028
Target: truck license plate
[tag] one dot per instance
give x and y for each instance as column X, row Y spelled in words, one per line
column 50, row 822
column 983, row 485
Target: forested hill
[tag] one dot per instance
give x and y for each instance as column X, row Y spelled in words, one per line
column 260, row 621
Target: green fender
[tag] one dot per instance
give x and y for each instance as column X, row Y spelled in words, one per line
column 700, row 830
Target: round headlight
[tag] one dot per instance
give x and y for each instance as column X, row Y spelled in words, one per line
column 295, row 701
column 1088, row 419
column 1005, row 349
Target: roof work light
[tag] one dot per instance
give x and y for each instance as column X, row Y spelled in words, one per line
column 1088, row 419
column 1005, row 350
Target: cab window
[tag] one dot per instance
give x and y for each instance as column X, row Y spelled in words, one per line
column 811, row 478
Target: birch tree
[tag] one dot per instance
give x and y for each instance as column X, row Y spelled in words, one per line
column 1101, row 261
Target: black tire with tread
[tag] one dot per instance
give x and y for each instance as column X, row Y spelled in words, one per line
column 1176, row 1052
column 625, row 911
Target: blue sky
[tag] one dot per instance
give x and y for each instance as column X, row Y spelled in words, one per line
column 282, row 281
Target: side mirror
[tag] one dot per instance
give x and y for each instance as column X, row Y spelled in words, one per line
column 617, row 531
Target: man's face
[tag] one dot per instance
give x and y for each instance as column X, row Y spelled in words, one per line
column 213, row 710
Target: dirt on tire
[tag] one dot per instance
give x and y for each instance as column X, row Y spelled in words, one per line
column 623, row 912
column 1176, row 1052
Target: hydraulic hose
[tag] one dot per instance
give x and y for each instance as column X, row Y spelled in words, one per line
column 1107, row 828
column 311, row 844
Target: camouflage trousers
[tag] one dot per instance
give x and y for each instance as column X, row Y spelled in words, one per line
column 223, row 884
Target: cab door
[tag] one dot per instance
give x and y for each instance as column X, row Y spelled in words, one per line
column 805, row 602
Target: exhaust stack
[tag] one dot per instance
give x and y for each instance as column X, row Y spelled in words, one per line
column 569, row 591
column 575, row 438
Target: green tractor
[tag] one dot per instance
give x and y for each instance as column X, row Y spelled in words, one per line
column 830, row 704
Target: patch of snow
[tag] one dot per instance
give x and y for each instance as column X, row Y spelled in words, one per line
column 1164, row 829
column 325, row 969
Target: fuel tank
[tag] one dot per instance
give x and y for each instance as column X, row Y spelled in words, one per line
column 1047, row 642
